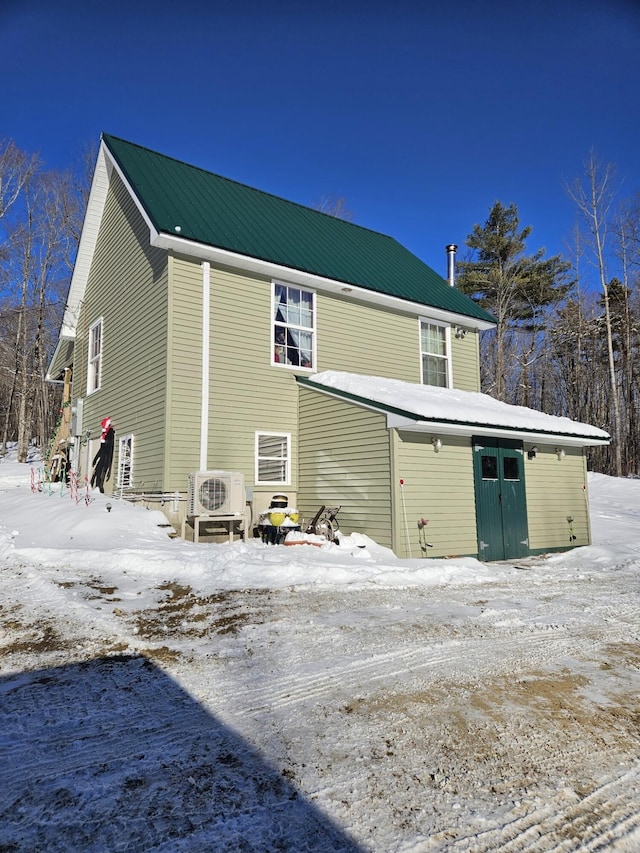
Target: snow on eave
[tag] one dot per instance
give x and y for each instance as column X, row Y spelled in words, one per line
column 421, row 408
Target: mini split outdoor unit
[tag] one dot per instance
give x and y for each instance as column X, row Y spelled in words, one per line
column 216, row 493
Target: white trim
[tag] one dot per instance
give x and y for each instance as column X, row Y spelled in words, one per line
column 206, row 340
column 443, row 428
column 447, row 345
column 63, row 339
column 308, row 280
column 105, row 166
column 409, row 424
column 312, row 329
column 91, row 387
column 153, row 233
column 122, row 440
column 87, row 245
column 287, row 437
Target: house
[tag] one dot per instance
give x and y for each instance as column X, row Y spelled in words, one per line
column 225, row 329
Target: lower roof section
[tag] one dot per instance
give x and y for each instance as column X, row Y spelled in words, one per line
column 425, row 408
column 62, row 359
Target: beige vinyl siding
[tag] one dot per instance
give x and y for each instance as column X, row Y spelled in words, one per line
column 361, row 338
column 127, row 287
column 248, row 394
column 63, row 359
column 367, row 339
column 556, row 488
column 184, row 378
column 465, row 354
column 438, row 486
column 345, row 461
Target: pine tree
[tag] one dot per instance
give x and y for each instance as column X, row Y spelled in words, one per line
column 515, row 287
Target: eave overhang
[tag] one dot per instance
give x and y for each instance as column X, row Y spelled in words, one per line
column 62, row 359
column 269, row 269
column 107, row 163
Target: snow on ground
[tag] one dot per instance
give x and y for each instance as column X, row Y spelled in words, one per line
column 160, row 695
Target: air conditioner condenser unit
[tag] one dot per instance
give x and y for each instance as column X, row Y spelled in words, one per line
column 216, row 493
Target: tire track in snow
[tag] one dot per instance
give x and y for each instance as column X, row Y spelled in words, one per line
column 75, row 735
column 605, row 817
column 292, row 689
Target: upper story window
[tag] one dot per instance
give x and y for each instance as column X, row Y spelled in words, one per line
column 434, row 353
column 293, row 326
column 95, row 357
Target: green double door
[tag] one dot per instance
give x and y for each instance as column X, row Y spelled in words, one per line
column 501, row 504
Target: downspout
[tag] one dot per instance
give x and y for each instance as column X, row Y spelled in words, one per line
column 206, row 337
column 451, row 263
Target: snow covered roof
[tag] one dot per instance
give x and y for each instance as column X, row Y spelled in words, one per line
column 450, row 411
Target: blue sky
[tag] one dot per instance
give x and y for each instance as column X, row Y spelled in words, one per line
column 421, row 114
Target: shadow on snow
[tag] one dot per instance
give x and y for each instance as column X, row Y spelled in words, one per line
column 112, row 755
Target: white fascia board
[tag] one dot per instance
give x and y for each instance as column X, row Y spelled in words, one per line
column 113, row 166
column 63, row 339
column 270, row 269
column 105, row 165
column 87, row 245
column 444, row 428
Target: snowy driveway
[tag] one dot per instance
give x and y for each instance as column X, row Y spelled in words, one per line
column 494, row 710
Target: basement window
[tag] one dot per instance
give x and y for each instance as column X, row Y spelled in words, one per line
column 293, row 326
column 434, row 353
column 273, row 458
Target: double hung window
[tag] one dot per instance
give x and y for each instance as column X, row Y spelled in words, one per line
column 293, row 326
column 273, row 458
column 95, row 357
column 434, row 353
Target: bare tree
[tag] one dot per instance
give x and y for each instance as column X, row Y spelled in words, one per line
column 594, row 195
column 333, row 205
column 16, row 168
column 41, row 238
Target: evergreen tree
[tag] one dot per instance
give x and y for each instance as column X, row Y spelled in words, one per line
column 515, row 287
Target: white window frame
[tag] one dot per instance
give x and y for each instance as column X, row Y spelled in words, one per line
column 125, row 462
column 286, row 436
column 446, row 357
column 294, row 327
column 94, row 360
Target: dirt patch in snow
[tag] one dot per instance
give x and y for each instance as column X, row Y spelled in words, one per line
column 183, row 613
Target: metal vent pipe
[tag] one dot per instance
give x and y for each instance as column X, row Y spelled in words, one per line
column 451, row 263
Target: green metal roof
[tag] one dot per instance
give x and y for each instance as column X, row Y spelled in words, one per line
column 219, row 212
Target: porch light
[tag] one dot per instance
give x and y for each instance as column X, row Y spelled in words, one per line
column 560, row 453
column 437, row 444
column 532, row 452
